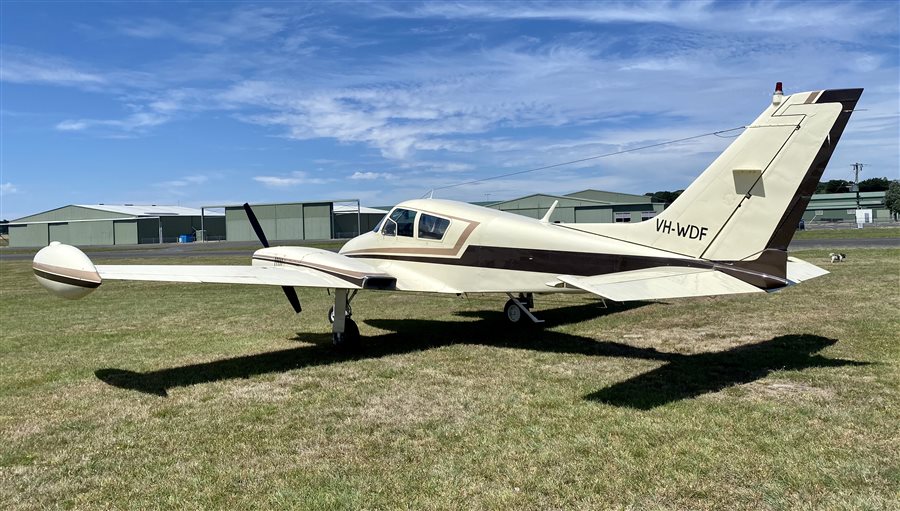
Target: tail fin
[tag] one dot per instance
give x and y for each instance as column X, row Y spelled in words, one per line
column 751, row 198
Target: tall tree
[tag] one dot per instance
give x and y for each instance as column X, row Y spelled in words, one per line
column 874, row 184
column 892, row 199
column 664, row 196
column 836, row 186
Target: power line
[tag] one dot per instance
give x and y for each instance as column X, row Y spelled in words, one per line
column 597, row 157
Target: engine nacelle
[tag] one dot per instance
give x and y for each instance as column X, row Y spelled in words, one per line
column 65, row 271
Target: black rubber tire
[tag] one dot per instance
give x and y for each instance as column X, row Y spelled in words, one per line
column 349, row 338
column 331, row 313
column 513, row 313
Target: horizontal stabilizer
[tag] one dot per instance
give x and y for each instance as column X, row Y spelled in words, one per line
column 660, row 283
column 799, row 270
column 261, row 275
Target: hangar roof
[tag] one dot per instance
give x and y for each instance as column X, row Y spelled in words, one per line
column 342, row 208
column 610, row 197
column 149, row 210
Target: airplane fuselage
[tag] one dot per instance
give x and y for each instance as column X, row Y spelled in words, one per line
column 487, row 250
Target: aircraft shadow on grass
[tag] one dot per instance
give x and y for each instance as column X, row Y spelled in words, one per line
column 680, row 377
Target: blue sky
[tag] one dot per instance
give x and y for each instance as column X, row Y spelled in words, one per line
column 213, row 103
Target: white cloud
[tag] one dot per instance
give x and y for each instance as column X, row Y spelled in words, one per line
column 8, row 189
column 295, row 178
column 72, row 125
column 25, row 66
column 136, row 122
column 734, row 17
column 371, row 176
column 241, row 24
column 184, row 181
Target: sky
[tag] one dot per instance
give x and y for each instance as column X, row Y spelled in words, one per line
column 222, row 103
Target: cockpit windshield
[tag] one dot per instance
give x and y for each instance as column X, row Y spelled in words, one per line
column 402, row 222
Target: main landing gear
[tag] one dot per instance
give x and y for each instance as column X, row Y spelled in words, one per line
column 516, row 309
column 344, row 332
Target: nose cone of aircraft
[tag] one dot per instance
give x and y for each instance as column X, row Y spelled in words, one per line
column 65, row 271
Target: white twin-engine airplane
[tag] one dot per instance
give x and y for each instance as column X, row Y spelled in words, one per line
column 727, row 233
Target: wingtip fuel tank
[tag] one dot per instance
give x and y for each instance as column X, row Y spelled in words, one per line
column 65, row 271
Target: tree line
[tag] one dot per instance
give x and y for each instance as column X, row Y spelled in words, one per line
column 875, row 184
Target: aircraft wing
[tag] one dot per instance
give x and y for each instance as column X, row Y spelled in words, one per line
column 262, row 275
column 660, row 283
column 66, row 271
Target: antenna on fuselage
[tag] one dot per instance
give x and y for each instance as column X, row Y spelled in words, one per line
column 546, row 219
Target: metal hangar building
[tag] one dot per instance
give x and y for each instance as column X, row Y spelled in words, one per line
column 110, row 224
column 294, row 221
column 586, row 206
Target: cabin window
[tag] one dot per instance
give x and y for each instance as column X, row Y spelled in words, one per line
column 432, row 227
column 400, row 223
column 623, row 216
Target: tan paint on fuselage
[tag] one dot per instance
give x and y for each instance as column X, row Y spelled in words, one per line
column 485, row 227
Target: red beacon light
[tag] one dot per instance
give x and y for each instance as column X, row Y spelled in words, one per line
column 779, row 94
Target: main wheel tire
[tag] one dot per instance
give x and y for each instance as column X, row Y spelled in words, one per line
column 331, row 313
column 349, row 338
column 513, row 313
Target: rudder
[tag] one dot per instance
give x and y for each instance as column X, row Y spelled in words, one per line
column 750, row 199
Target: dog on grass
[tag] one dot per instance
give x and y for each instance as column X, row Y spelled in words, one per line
column 837, row 258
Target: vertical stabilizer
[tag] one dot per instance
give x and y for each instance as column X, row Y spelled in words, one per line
column 752, row 196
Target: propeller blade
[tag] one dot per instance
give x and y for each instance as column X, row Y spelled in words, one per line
column 256, row 227
column 292, row 297
column 289, row 291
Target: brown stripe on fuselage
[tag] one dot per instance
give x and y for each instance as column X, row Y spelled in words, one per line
column 560, row 262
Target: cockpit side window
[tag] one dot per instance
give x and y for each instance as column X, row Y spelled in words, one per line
column 400, row 223
column 432, row 227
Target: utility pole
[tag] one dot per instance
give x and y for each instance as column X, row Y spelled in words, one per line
column 857, row 168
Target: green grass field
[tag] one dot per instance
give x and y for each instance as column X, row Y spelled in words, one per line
column 153, row 395
column 848, row 233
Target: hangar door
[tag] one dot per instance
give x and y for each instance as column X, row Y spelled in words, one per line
column 125, row 232
column 31, row 235
column 317, row 221
column 60, row 233
column 289, row 221
column 593, row 215
column 91, row 233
